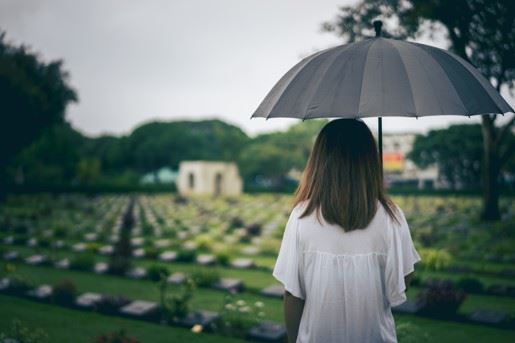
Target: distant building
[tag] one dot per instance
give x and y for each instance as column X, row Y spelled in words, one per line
column 209, row 178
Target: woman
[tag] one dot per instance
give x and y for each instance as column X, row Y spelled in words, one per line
column 346, row 252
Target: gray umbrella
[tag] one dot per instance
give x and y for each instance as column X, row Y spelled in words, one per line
column 381, row 77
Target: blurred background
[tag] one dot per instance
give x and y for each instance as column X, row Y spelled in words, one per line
column 138, row 200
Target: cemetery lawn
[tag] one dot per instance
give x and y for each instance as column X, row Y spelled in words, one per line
column 85, row 326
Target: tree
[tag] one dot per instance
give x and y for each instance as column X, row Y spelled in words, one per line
column 480, row 31
column 33, row 96
column 456, row 151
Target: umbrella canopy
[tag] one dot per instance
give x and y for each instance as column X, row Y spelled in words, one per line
column 381, row 77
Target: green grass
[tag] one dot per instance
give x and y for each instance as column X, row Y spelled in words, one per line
column 67, row 325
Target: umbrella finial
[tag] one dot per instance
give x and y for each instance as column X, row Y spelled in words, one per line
column 378, row 24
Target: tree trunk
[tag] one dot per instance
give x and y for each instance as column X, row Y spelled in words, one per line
column 491, row 171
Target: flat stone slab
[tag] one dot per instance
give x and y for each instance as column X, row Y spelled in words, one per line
column 106, row 250
column 9, row 240
column 32, row 242
column 4, row 284
column 58, row 244
column 176, row 278
column 137, row 273
column 79, row 247
column 11, row 255
column 101, row 267
column 243, row 263
column 250, row 250
column 168, row 256
column 35, row 260
column 90, row 237
column 200, row 317
column 268, row 332
column 138, row 253
column 189, row 245
column 140, row 308
column 41, row 292
column 409, row 306
column 206, row 260
column 488, row 316
column 162, row 243
column 137, row 241
column 88, row 300
column 63, row 264
column 274, row 291
column 229, row 284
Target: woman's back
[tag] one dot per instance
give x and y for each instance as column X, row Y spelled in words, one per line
column 349, row 280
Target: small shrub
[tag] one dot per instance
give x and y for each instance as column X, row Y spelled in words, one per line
column 19, row 285
column 20, row 240
column 471, row 285
column 64, row 292
column 253, row 229
column 110, row 304
column 435, row 259
column 186, row 255
column 205, row 277
column 223, row 258
column 441, row 299
column 177, row 305
column 236, row 222
column 21, row 334
column 156, row 272
column 83, row 262
column 151, row 252
column 238, row 316
column 115, row 337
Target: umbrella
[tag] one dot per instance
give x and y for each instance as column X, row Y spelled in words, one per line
column 380, row 77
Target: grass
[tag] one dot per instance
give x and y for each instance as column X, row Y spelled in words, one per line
column 67, row 325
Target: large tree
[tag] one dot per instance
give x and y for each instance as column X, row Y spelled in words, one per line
column 480, row 31
column 33, row 96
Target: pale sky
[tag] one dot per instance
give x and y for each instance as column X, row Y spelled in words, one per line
column 133, row 61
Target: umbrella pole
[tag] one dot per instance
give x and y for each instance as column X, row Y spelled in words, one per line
column 380, row 141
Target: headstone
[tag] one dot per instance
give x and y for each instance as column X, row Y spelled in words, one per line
column 106, row 250
column 9, row 240
column 189, row 245
column 79, row 247
column 90, row 237
column 11, row 255
column 4, row 284
column 41, row 292
column 267, row 332
column 162, row 243
column 250, row 250
column 243, row 263
column 35, row 260
column 206, row 260
column 137, row 241
column 138, row 253
column 137, row 273
column 63, row 264
column 274, row 291
column 88, row 300
column 168, row 256
column 101, row 267
column 32, row 242
column 176, row 278
column 229, row 284
column 488, row 316
column 58, row 244
column 140, row 309
column 409, row 306
column 200, row 317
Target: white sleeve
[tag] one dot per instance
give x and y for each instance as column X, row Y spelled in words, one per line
column 400, row 260
column 288, row 266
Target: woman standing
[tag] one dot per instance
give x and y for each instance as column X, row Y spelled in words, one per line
column 346, row 252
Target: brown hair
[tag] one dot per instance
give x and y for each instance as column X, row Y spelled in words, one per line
column 343, row 179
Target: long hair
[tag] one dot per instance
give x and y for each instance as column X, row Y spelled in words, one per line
column 343, row 178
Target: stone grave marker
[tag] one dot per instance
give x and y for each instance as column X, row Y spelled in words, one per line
column 11, row 255
column 488, row 316
column 137, row 273
column 200, row 317
column 9, row 240
column 176, row 278
column 63, row 263
column 79, row 247
column 273, row 291
column 90, row 237
column 140, row 309
column 162, row 243
column 58, row 244
column 137, row 241
column 88, row 300
column 229, row 284
column 168, row 256
column 32, row 242
column 42, row 292
column 267, row 332
column 243, row 263
column 106, row 250
column 138, row 253
column 36, row 260
column 206, row 259
column 101, row 267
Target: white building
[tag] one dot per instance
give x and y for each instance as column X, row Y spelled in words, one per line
column 209, row 178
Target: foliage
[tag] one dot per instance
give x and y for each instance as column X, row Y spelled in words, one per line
column 441, row 299
column 223, row 257
column 110, row 304
column 470, row 285
column 84, row 262
column 408, row 332
column 456, row 151
column 205, row 277
column 156, row 272
column 435, row 259
column 121, row 261
column 21, row 334
column 185, row 255
column 238, row 316
column 115, row 337
column 175, row 306
column 64, row 292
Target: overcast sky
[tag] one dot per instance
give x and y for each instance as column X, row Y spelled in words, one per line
column 134, row 61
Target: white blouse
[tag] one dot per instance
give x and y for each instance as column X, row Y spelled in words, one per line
column 349, row 280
